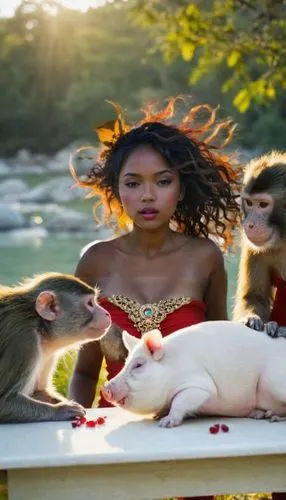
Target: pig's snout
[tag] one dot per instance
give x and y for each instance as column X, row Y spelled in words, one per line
column 115, row 392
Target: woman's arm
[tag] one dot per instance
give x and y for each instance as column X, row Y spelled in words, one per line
column 86, row 373
column 216, row 293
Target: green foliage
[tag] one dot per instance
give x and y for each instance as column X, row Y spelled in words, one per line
column 64, row 371
column 247, row 38
column 59, row 67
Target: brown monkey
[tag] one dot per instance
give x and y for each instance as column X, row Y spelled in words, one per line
column 39, row 318
column 261, row 291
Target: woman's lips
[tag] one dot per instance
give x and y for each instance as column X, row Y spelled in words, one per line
column 149, row 213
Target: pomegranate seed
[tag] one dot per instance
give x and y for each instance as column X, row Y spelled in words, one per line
column 224, row 428
column 100, row 420
column 90, row 423
column 214, row 429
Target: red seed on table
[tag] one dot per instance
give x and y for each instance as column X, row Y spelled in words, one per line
column 214, row 429
column 90, row 423
column 100, row 420
column 224, row 428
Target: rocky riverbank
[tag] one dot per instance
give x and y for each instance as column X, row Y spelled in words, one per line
column 38, row 195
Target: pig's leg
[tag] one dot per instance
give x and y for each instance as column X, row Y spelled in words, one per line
column 273, row 390
column 186, row 403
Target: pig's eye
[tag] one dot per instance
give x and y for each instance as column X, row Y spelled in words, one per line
column 138, row 364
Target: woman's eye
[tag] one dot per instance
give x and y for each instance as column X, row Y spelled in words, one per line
column 164, row 182
column 131, row 184
column 248, row 203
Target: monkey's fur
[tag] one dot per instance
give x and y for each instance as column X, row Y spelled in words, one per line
column 264, row 208
column 39, row 318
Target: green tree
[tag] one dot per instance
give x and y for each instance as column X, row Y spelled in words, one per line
column 246, row 38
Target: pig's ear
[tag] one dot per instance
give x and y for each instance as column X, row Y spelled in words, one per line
column 153, row 342
column 129, row 341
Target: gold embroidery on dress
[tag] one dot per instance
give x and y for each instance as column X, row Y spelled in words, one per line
column 148, row 316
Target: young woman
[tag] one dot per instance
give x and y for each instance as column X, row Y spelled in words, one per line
column 177, row 193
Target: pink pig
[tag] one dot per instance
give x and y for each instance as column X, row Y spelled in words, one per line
column 212, row 368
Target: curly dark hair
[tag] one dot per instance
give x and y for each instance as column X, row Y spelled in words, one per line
column 208, row 179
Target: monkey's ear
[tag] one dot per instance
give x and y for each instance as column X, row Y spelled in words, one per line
column 47, row 305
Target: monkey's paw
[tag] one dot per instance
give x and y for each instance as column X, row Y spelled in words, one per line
column 271, row 328
column 171, row 421
column 68, row 411
column 257, row 414
column 254, row 322
column 273, row 417
column 281, row 331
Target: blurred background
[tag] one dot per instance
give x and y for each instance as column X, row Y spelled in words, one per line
column 60, row 61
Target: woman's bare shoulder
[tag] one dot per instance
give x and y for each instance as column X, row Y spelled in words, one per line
column 94, row 260
column 98, row 248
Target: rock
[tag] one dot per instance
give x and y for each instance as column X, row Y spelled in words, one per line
column 60, row 161
column 24, row 157
column 11, row 218
column 4, row 168
column 29, row 169
column 65, row 220
column 57, row 190
column 40, row 159
column 11, row 189
column 26, row 236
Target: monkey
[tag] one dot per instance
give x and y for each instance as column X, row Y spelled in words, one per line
column 39, row 318
column 261, row 291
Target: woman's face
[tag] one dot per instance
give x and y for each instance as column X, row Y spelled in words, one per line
column 149, row 188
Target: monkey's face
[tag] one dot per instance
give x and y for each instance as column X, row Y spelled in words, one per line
column 72, row 317
column 258, row 210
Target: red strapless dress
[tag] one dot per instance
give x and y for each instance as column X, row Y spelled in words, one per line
column 187, row 315
column 278, row 312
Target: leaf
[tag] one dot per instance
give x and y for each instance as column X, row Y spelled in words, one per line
column 242, row 100
column 192, row 10
column 106, row 132
column 228, row 84
column 195, row 76
column 233, row 58
column 270, row 92
column 187, row 50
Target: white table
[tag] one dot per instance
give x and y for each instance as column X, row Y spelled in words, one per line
column 130, row 458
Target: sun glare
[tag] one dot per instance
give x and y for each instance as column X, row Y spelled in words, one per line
column 82, row 4
column 7, row 7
